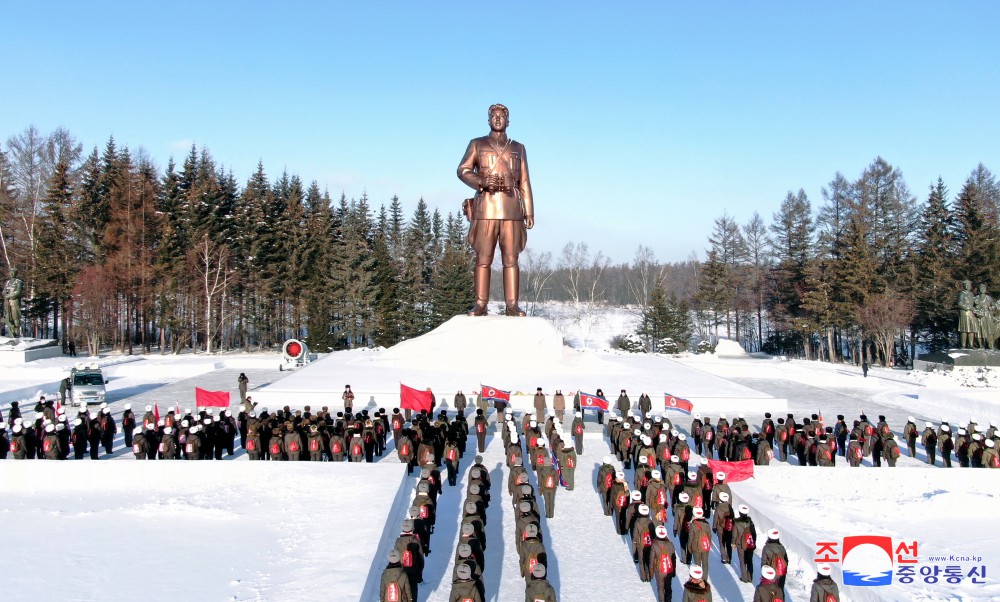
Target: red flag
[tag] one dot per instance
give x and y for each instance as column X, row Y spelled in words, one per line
column 592, row 402
column 494, row 394
column 735, row 471
column 211, row 399
column 156, row 412
column 678, row 403
column 412, row 399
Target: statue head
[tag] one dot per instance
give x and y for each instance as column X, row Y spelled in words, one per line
column 967, row 284
column 499, row 117
column 982, row 289
column 13, row 272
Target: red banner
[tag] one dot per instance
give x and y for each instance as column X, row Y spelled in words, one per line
column 211, row 399
column 735, row 471
column 593, row 402
column 677, row 403
column 412, row 399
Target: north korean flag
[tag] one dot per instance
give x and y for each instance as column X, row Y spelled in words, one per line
column 593, row 402
column 735, row 471
column 677, row 403
column 493, row 394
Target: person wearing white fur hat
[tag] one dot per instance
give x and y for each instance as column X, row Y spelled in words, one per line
column 991, row 458
column 745, row 541
column 945, row 443
column 890, row 449
column 697, row 589
column 699, row 542
column 928, row 438
column 577, row 427
column 767, row 590
column 775, row 556
column 824, row 588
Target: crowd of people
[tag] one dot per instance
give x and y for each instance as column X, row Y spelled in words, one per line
column 666, row 497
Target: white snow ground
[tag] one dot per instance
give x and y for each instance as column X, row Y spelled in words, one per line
column 952, row 511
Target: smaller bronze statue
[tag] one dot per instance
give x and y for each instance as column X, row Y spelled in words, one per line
column 966, row 318
column 12, row 291
column 982, row 308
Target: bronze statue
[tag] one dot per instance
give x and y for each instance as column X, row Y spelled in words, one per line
column 502, row 211
column 982, row 308
column 12, row 303
column 966, row 319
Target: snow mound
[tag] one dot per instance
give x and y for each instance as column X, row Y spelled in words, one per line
column 728, row 348
column 466, row 343
column 24, row 343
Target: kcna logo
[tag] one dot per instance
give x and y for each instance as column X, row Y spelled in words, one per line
column 867, row 560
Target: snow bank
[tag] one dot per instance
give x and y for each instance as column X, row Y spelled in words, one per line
column 197, row 530
column 728, row 348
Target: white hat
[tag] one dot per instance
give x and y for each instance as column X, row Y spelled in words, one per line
column 636, row 432
column 655, row 474
column 578, row 414
column 724, row 496
column 976, row 436
column 541, row 442
column 50, row 428
column 60, row 427
column 823, row 569
column 532, row 423
column 105, row 410
column 961, row 431
column 607, row 459
column 619, row 474
column 188, row 410
column 646, row 440
column 773, row 534
column 3, row 424
column 722, row 415
column 636, row 495
column 720, row 476
column 989, row 443
column 149, row 408
column 704, row 461
column 211, row 411
column 661, row 531
column 168, row 430
column 945, row 428
column 740, row 415
column 698, row 512
column 684, row 497
column 77, row 422
column 104, row 405
column 928, row 425
column 696, row 572
column 744, row 509
column 682, row 437
column 674, row 432
column 643, row 509
column 697, row 415
column 692, row 475
column 128, row 406
column 642, row 459
column 18, row 428
column 911, row 418
column 674, row 458
column 767, row 572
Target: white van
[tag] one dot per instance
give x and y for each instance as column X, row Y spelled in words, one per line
column 87, row 382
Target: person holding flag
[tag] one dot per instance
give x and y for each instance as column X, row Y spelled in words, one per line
column 594, row 402
column 499, row 397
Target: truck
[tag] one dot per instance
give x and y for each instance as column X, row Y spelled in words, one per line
column 87, row 384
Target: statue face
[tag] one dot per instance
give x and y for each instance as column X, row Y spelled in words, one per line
column 13, row 272
column 982, row 288
column 498, row 120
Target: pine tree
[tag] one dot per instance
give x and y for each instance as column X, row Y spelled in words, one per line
column 977, row 234
column 936, row 289
column 60, row 238
column 792, row 231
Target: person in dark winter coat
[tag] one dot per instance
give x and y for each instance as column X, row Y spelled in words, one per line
column 767, row 590
column 824, row 589
column 108, row 430
column 396, row 584
column 538, row 589
column 481, row 423
column 139, row 445
column 775, row 556
column 94, row 437
column 745, row 541
column 662, row 564
column 696, row 589
column 128, row 424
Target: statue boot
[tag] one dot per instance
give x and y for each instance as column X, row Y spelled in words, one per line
column 481, row 277
column 511, row 286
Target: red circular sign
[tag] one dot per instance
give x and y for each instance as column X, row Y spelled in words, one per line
column 294, row 349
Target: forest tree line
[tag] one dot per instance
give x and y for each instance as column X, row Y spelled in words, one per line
column 118, row 253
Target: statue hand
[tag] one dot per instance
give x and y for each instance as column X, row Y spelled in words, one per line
column 529, row 222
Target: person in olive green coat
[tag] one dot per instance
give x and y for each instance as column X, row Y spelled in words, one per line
column 538, row 589
column 395, row 585
column 824, row 589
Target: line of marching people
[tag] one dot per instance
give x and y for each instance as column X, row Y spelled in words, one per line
column 667, row 499
column 532, row 554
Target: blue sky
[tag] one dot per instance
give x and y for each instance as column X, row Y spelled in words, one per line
column 643, row 121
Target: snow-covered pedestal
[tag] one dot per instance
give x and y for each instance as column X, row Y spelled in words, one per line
column 19, row 351
column 513, row 354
